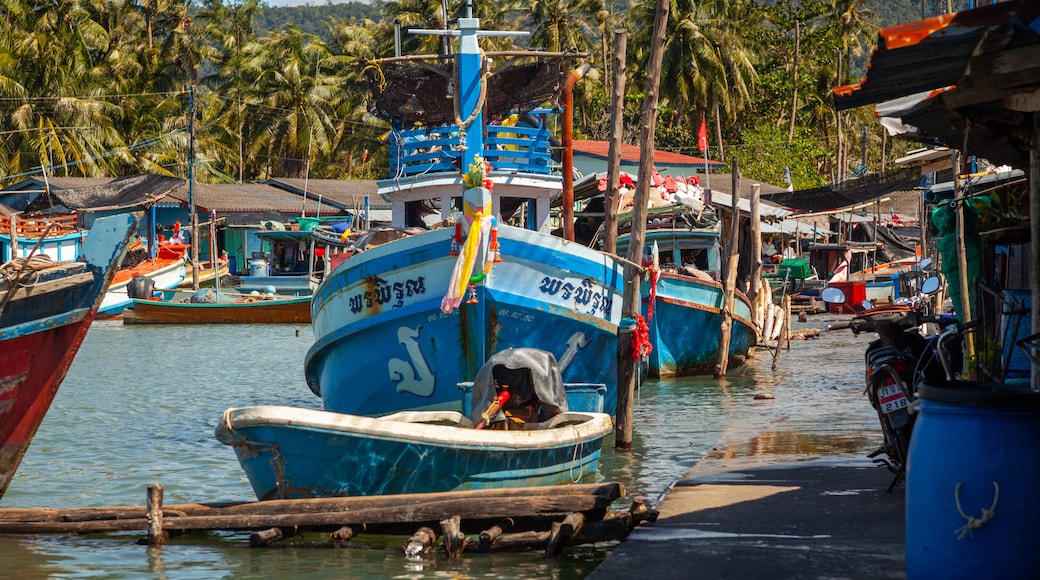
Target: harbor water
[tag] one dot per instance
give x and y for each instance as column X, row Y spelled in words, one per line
column 140, row 405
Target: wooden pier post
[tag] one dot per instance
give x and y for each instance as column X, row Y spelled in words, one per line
column 343, row 534
column 637, row 237
column 454, row 540
column 157, row 536
column 732, row 260
column 626, row 382
column 265, row 537
column 617, row 110
column 488, row 536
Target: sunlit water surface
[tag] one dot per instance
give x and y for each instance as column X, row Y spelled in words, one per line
column 140, row 405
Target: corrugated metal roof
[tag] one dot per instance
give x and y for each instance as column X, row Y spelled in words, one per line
column 966, row 80
column 346, row 193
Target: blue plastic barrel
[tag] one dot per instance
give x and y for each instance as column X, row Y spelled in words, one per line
column 973, row 483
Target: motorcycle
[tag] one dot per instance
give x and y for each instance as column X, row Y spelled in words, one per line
column 898, row 360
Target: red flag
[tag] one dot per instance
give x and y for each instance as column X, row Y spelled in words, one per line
column 702, row 136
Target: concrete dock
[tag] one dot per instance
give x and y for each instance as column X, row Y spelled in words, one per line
column 828, row 517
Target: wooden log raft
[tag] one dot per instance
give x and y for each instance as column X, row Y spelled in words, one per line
column 478, row 509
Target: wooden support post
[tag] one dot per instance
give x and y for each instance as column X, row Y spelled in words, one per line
column 265, row 537
column 454, row 540
column 637, row 236
column 732, row 259
column 626, row 384
column 617, row 110
column 562, row 533
column 755, row 284
column 14, row 235
column 488, row 536
column 419, row 543
column 787, row 322
column 157, row 536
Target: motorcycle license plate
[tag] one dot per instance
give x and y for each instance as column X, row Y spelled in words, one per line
column 892, row 399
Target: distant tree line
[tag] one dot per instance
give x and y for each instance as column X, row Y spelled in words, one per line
column 106, row 88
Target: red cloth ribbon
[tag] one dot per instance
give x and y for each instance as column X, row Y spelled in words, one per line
column 641, row 346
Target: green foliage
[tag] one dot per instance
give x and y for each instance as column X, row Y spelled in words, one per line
column 764, row 153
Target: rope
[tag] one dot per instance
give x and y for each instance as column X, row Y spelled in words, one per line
column 641, row 346
column 376, row 65
column 576, row 460
column 255, row 448
column 480, row 98
column 973, row 522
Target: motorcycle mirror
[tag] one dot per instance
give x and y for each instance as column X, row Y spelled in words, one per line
column 867, row 305
column 930, row 285
column 832, row 295
column 925, row 264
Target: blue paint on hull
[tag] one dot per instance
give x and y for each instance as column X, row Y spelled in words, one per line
column 286, row 456
column 686, row 326
column 383, row 344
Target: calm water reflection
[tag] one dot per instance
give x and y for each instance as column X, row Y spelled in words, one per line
column 140, row 405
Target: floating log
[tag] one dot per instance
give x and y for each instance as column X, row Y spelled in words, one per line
column 562, row 533
column 382, row 514
column 265, row 537
column 488, row 536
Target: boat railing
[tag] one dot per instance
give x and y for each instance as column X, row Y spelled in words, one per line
column 511, row 149
column 33, row 227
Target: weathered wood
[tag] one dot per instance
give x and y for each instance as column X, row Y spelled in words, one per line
column 454, row 540
column 732, row 259
column 623, row 412
column 488, row 536
column 520, row 541
column 492, row 504
column 420, row 542
column 617, row 109
column 157, row 536
column 344, row 534
column 562, row 533
column 265, row 537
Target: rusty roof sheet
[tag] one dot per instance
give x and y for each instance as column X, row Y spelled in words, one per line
column 930, row 54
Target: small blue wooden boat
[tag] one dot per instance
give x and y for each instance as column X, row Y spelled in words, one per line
column 533, row 440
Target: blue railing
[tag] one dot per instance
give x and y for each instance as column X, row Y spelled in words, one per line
column 509, row 149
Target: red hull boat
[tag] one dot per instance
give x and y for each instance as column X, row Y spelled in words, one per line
column 46, row 309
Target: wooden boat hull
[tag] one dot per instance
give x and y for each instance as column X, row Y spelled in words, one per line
column 287, row 310
column 165, row 272
column 686, row 326
column 206, row 274
column 385, row 303
column 41, row 328
column 289, row 452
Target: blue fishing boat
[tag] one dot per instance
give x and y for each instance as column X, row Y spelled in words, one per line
column 526, row 438
column 399, row 325
column 682, row 300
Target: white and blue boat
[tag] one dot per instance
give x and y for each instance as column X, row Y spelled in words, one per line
column 533, row 439
column 388, row 337
column 682, row 300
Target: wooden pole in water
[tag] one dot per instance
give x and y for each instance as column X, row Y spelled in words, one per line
column 156, row 534
column 755, row 284
column 630, row 305
column 617, row 110
column 732, row 259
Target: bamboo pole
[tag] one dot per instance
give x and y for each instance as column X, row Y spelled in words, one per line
column 733, row 257
column 630, row 305
column 617, row 110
